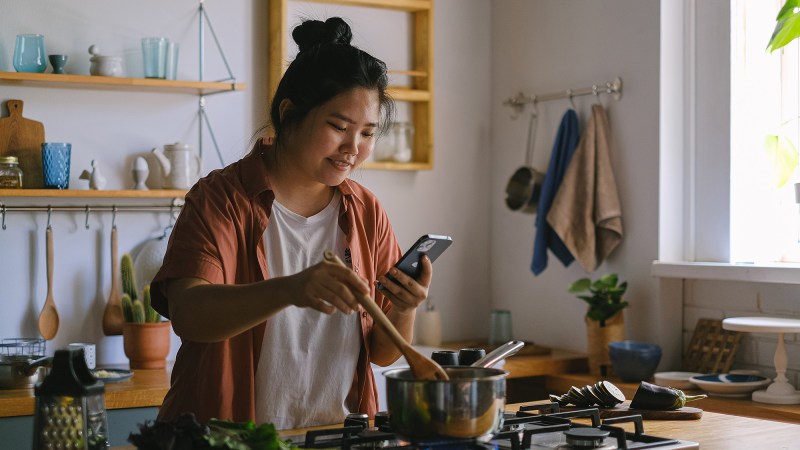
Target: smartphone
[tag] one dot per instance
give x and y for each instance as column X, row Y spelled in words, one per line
column 431, row 245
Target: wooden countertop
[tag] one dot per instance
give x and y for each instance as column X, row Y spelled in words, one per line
column 560, row 383
column 146, row 388
column 534, row 360
column 722, row 431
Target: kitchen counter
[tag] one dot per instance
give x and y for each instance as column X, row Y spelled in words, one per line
column 712, row 431
column 146, row 388
column 560, row 383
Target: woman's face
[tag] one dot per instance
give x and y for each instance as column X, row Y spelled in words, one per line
column 336, row 137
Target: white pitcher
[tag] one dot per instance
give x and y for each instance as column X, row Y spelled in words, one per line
column 176, row 165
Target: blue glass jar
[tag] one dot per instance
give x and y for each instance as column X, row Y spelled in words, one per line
column 29, row 54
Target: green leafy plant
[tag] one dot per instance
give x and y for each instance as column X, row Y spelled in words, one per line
column 604, row 296
column 787, row 27
column 133, row 309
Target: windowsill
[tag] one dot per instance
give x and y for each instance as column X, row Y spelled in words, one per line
column 760, row 273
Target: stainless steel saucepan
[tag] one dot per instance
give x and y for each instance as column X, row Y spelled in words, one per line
column 468, row 405
column 22, row 372
column 525, row 186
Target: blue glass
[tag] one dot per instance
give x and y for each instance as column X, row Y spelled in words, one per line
column 154, row 50
column 29, row 54
column 55, row 162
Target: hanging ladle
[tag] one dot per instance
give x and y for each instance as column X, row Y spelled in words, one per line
column 421, row 366
column 48, row 318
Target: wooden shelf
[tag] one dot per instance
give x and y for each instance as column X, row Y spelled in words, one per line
column 401, row 5
column 113, row 83
column 76, row 193
column 389, row 165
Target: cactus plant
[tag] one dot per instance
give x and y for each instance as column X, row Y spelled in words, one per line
column 128, row 277
column 127, row 308
column 133, row 309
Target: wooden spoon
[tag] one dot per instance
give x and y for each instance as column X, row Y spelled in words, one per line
column 48, row 318
column 112, row 316
column 422, row 367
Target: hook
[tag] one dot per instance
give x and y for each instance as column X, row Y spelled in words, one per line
column 571, row 99
column 113, row 216
column 49, row 210
column 86, row 223
column 3, row 213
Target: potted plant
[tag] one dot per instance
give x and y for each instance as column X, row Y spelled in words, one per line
column 145, row 336
column 604, row 318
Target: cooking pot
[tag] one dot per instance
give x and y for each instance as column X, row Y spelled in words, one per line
column 468, row 405
column 22, row 372
column 525, row 186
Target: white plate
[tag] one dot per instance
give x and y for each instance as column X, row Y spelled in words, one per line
column 730, row 385
column 677, row 380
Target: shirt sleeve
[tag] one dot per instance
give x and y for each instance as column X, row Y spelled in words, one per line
column 197, row 246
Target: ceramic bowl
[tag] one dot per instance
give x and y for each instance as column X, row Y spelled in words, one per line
column 634, row 361
column 677, row 380
column 730, row 385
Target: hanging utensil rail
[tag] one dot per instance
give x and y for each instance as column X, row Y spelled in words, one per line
column 88, row 209
column 612, row 88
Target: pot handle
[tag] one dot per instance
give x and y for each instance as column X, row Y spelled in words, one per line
column 531, row 142
column 498, row 354
column 31, row 367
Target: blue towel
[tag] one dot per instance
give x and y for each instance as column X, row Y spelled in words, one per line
column 563, row 148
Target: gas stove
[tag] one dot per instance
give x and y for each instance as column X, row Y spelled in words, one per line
column 541, row 426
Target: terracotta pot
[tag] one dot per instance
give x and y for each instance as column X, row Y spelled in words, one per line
column 146, row 344
column 599, row 337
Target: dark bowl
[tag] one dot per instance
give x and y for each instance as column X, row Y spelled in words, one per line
column 634, row 361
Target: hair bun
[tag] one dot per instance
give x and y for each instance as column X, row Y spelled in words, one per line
column 312, row 33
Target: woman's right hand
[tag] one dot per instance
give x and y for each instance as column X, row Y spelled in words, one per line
column 326, row 287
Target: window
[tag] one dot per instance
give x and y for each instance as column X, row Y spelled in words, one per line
column 765, row 137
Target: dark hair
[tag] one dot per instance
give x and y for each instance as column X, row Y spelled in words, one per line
column 326, row 66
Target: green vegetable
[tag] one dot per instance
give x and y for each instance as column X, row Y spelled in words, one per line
column 652, row 396
column 187, row 433
column 244, row 436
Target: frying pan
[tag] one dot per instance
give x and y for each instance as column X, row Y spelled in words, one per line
column 468, row 405
column 525, row 186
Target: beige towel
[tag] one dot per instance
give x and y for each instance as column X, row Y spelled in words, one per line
column 586, row 211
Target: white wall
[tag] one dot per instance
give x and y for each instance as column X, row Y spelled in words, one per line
column 551, row 45
column 114, row 127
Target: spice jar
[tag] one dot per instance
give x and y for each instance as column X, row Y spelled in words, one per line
column 10, row 173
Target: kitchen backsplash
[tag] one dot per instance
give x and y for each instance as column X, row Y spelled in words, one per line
column 722, row 299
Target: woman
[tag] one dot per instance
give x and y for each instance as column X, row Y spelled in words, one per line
column 267, row 326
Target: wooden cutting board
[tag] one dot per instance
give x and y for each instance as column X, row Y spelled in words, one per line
column 23, row 138
column 624, row 409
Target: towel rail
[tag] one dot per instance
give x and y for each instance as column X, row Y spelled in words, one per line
column 612, row 88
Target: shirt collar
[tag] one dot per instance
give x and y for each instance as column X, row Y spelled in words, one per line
column 255, row 176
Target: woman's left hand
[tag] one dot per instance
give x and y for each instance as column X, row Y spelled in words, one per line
column 408, row 292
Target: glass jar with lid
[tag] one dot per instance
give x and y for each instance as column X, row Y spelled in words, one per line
column 10, row 173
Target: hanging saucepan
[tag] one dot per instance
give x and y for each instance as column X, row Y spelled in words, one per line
column 468, row 405
column 525, row 186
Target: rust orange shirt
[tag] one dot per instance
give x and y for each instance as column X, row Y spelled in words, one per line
column 218, row 237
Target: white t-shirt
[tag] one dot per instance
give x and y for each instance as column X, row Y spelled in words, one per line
column 308, row 359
